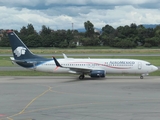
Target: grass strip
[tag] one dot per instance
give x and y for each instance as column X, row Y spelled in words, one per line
column 6, row 62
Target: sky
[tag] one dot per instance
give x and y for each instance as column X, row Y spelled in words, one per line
column 61, row 14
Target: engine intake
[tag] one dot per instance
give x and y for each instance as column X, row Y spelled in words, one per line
column 97, row 73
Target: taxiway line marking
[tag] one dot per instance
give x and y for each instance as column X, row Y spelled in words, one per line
column 34, row 99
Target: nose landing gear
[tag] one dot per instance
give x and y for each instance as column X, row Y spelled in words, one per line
column 142, row 76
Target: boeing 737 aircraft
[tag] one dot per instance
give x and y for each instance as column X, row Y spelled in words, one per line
column 92, row 67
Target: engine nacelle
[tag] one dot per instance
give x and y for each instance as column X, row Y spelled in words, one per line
column 97, row 73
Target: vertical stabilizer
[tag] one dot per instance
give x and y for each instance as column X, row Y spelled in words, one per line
column 19, row 49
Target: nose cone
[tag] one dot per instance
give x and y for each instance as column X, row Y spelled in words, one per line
column 155, row 68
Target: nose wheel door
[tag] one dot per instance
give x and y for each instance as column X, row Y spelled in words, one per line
column 139, row 68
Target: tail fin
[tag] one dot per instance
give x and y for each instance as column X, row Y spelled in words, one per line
column 19, row 49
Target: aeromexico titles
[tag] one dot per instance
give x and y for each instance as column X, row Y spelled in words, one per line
column 93, row 67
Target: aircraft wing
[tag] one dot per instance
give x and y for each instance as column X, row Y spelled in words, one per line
column 73, row 69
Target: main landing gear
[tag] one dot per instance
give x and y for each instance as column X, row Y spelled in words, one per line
column 81, row 77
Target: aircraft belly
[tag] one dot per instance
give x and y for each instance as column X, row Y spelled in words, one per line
column 125, row 71
column 121, row 71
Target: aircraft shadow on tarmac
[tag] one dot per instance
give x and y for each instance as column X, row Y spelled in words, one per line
column 128, row 78
column 74, row 79
column 65, row 79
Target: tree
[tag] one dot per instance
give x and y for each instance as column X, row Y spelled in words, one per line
column 64, row 44
column 141, row 34
column 154, row 41
column 106, row 40
column 59, row 37
column 45, row 30
column 125, row 43
column 30, row 29
column 123, row 36
column 89, row 29
column 4, row 42
column 133, row 26
column 120, row 32
column 69, row 36
column 157, row 31
column 108, row 29
column 87, row 41
column 29, row 36
column 33, row 40
column 46, row 37
column 23, row 34
column 149, row 33
column 72, row 44
column 23, row 30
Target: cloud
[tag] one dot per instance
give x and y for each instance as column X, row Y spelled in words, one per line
column 58, row 14
column 45, row 4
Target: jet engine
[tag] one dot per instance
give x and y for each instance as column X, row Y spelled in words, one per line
column 97, row 73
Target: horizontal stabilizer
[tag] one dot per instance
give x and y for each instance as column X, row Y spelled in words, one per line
column 13, row 60
column 22, row 61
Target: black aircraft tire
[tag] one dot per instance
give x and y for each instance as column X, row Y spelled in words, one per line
column 141, row 77
column 81, row 77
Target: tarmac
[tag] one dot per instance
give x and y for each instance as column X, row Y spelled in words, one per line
column 67, row 98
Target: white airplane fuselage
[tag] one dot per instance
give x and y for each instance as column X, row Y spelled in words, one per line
column 108, row 65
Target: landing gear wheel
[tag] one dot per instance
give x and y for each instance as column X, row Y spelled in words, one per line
column 81, row 77
column 141, row 77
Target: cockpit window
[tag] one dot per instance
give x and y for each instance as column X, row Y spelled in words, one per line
column 148, row 64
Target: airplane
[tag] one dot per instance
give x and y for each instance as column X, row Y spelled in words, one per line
column 95, row 68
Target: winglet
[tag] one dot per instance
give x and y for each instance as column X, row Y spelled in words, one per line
column 57, row 63
column 64, row 55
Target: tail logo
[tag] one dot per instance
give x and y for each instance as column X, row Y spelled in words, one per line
column 20, row 51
